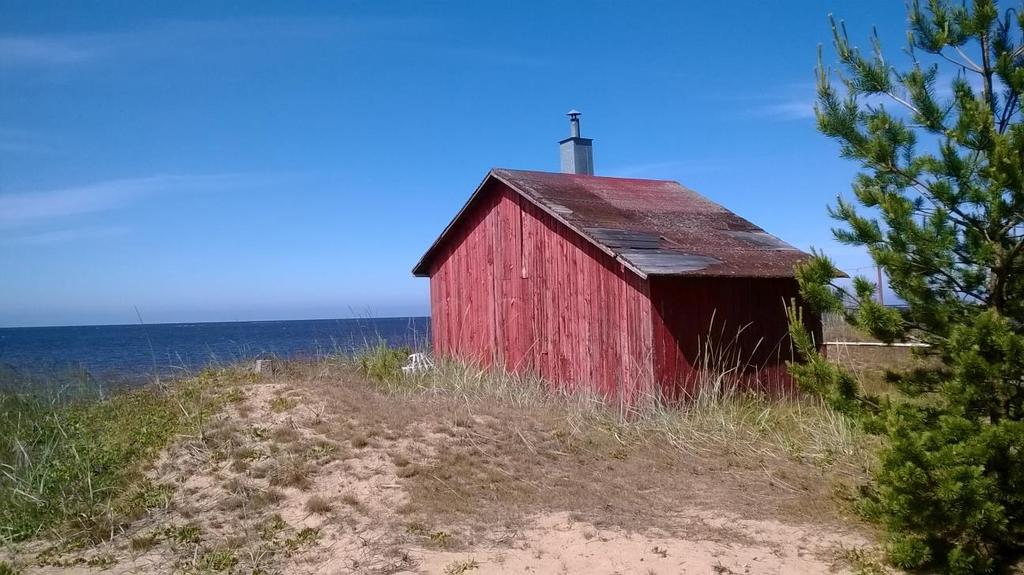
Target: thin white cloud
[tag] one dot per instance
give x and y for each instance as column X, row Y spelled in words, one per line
column 43, row 51
column 787, row 102
column 796, row 109
column 34, row 207
column 52, row 237
column 208, row 37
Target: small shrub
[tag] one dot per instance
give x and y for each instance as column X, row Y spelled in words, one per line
column 217, row 561
column 382, row 363
column 185, row 534
column 440, row 538
column 305, row 537
column 320, row 451
column 460, row 567
column 272, row 526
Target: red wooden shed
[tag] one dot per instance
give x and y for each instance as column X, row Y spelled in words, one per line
column 614, row 285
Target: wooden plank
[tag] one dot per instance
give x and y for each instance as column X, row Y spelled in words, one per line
column 578, row 318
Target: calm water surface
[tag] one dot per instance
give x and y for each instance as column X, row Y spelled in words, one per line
column 134, row 353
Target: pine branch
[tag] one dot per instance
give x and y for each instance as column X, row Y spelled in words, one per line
column 904, row 103
column 970, row 65
column 967, row 66
column 986, row 73
column 1009, row 109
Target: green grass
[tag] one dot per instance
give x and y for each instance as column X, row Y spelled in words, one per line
column 216, row 561
column 75, row 466
column 185, row 534
column 382, row 363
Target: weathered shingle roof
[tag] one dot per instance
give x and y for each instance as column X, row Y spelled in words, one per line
column 654, row 227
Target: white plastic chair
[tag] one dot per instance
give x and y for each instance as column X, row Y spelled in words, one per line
column 418, row 363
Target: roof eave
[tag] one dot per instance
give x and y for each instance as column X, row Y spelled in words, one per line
column 422, row 267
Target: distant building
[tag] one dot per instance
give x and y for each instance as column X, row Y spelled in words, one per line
column 614, row 285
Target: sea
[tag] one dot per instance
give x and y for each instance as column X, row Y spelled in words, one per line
column 126, row 355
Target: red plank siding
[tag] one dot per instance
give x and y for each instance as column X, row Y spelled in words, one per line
column 742, row 322
column 517, row 289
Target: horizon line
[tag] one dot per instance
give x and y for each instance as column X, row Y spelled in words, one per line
column 144, row 324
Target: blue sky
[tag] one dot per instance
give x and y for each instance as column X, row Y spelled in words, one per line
column 235, row 161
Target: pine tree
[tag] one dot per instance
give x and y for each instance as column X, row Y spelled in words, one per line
column 939, row 204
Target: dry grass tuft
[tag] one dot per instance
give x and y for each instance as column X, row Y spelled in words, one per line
column 280, row 404
column 143, row 543
column 290, row 471
column 351, row 500
column 232, row 503
column 267, row 497
column 407, row 471
column 318, row 505
column 285, row 434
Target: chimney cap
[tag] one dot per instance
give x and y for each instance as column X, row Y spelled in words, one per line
column 576, row 153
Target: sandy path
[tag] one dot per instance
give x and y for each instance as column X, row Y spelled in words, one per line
column 557, row 545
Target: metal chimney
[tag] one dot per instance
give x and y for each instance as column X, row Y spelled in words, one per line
column 577, row 153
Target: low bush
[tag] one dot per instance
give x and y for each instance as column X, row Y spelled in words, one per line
column 382, row 362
